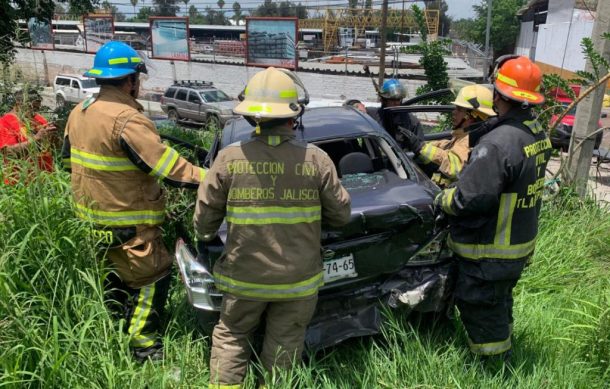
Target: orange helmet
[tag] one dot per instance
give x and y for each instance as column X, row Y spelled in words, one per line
column 519, row 79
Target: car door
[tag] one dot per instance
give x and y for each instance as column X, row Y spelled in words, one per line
column 194, row 106
column 75, row 91
column 181, row 102
column 435, row 120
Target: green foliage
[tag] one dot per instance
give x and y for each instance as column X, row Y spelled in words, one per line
column 282, row 8
column 504, row 25
column 165, row 8
column 599, row 64
column 444, row 19
column 551, row 83
column 435, row 67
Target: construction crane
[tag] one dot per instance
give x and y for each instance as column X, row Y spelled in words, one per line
column 362, row 19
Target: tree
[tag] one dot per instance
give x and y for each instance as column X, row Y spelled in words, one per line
column 220, row 3
column 13, row 11
column 504, row 26
column 134, row 3
column 193, row 13
column 186, row 3
column 114, row 11
column 268, row 8
column 165, row 8
column 283, row 8
column 214, row 17
column 237, row 15
column 144, row 13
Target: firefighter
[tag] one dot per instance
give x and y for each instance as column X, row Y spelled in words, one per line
column 117, row 160
column 391, row 94
column 444, row 159
column 274, row 192
column 493, row 209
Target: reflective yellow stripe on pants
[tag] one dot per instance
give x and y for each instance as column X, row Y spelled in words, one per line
column 140, row 317
column 308, row 287
column 490, row 348
column 222, row 386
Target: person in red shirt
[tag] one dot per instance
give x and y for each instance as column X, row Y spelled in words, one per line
column 25, row 134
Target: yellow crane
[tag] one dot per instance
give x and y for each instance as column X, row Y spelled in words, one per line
column 362, row 19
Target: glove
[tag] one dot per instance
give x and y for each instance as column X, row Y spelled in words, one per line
column 411, row 141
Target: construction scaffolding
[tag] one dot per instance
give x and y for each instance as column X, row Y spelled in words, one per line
column 362, row 20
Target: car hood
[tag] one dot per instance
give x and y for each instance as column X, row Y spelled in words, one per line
column 225, row 104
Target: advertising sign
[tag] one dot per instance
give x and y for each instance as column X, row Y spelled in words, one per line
column 98, row 30
column 169, row 38
column 271, row 42
column 41, row 34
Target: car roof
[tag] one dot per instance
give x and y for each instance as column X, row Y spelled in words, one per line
column 319, row 124
column 80, row 77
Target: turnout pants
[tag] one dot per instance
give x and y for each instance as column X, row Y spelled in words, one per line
column 483, row 295
column 286, row 322
column 137, row 289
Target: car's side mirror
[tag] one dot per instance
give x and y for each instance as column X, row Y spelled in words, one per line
column 604, row 115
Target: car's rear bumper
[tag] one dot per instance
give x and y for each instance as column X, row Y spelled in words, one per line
column 342, row 314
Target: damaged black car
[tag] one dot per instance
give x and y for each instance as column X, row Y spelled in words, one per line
column 390, row 254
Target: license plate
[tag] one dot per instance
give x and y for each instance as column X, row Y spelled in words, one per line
column 337, row 269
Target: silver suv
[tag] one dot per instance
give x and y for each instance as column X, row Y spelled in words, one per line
column 73, row 89
column 197, row 101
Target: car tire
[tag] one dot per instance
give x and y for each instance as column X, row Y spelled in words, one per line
column 207, row 320
column 213, row 121
column 60, row 102
column 172, row 116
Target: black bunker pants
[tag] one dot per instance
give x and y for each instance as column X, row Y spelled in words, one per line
column 483, row 295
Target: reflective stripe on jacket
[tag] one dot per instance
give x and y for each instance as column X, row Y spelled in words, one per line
column 496, row 202
column 274, row 192
column 116, row 158
column 449, row 155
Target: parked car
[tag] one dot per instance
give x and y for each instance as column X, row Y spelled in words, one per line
column 392, row 253
column 197, row 101
column 560, row 136
column 73, row 88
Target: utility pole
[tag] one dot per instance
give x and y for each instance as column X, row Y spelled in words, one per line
column 384, row 22
column 589, row 109
column 487, row 36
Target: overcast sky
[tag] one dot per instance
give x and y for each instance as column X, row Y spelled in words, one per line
column 459, row 9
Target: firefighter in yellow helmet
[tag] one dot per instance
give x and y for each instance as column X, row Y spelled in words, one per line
column 444, row 159
column 271, row 266
column 116, row 160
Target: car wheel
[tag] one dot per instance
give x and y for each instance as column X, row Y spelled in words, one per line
column 60, row 102
column 213, row 122
column 207, row 320
column 173, row 116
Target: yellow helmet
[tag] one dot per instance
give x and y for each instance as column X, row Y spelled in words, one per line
column 270, row 94
column 476, row 98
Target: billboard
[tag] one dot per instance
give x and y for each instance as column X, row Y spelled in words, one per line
column 41, row 34
column 169, row 38
column 98, row 30
column 271, row 42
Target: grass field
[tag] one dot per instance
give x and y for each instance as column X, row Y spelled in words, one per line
column 56, row 333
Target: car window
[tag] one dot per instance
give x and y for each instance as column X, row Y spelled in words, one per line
column 89, row 83
column 375, row 156
column 215, row 96
column 181, row 95
column 75, row 84
column 434, row 122
column 170, row 92
column 194, row 97
column 572, row 112
column 62, row 81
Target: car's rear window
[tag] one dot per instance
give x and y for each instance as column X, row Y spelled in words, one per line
column 62, row 81
column 170, row 92
column 181, row 95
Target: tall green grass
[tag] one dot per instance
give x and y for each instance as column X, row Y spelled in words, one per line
column 56, row 333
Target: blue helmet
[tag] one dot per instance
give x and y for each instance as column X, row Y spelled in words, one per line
column 116, row 60
column 392, row 89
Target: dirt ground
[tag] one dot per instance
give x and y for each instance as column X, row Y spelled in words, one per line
column 599, row 174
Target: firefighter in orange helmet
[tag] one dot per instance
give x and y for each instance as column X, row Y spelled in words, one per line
column 493, row 208
column 271, row 265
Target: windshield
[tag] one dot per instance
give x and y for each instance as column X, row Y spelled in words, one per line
column 215, row 96
column 88, row 83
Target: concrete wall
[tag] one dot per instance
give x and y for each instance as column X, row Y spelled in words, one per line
column 44, row 66
column 558, row 43
column 525, row 41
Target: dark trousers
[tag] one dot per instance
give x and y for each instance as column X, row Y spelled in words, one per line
column 483, row 294
column 142, row 308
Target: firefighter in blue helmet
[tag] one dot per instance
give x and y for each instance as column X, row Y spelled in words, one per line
column 391, row 94
column 116, row 160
